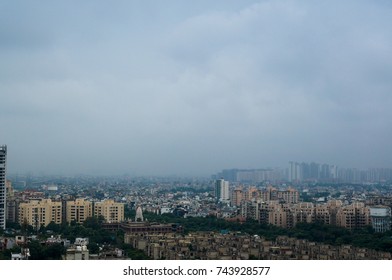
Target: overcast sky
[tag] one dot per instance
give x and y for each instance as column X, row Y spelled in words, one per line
column 193, row 87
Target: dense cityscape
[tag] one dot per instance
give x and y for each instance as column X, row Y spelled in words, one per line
column 164, row 139
column 304, row 211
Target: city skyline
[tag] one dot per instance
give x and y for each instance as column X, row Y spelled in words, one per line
column 294, row 172
column 182, row 88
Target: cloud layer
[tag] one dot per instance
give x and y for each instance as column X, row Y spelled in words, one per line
column 182, row 88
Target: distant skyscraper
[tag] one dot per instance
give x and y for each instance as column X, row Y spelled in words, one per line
column 295, row 172
column 3, row 158
column 222, row 190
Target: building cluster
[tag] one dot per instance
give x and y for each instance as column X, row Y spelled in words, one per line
column 283, row 209
column 307, row 172
column 33, row 208
column 38, row 212
column 302, row 172
column 239, row 246
column 252, row 175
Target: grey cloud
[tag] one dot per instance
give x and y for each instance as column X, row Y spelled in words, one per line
column 196, row 87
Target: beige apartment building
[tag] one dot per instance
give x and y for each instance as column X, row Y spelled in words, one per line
column 289, row 195
column 78, row 210
column 355, row 215
column 252, row 194
column 112, row 212
column 237, row 196
column 275, row 213
column 303, row 212
column 39, row 213
column 287, row 215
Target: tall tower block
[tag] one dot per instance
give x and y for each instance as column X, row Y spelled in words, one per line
column 3, row 195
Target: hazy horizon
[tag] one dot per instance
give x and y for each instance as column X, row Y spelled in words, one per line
column 181, row 88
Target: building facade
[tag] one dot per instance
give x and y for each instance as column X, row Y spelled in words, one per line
column 111, row 211
column 38, row 213
column 3, row 195
column 355, row 215
column 380, row 217
column 222, row 190
column 78, row 210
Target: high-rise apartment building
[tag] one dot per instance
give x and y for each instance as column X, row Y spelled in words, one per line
column 39, row 213
column 3, row 202
column 78, row 210
column 12, row 205
column 237, row 196
column 222, row 190
column 112, row 212
column 353, row 216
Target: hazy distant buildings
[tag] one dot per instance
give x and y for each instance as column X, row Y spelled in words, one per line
column 251, row 175
column 315, row 172
column 3, row 195
column 288, row 195
column 295, row 172
column 222, row 190
column 299, row 172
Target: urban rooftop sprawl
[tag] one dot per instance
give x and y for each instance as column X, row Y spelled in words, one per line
column 306, row 211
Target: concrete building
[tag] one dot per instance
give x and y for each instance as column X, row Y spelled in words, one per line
column 77, row 253
column 39, row 213
column 78, row 210
column 352, row 216
column 252, row 194
column 250, row 210
column 237, row 196
column 355, row 215
column 3, row 195
column 9, row 189
column 112, row 212
column 275, row 213
column 12, row 204
column 12, row 212
column 380, row 217
column 303, row 212
column 294, row 174
column 290, row 195
column 222, row 190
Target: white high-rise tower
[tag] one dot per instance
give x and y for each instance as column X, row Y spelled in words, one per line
column 222, row 190
column 3, row 195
